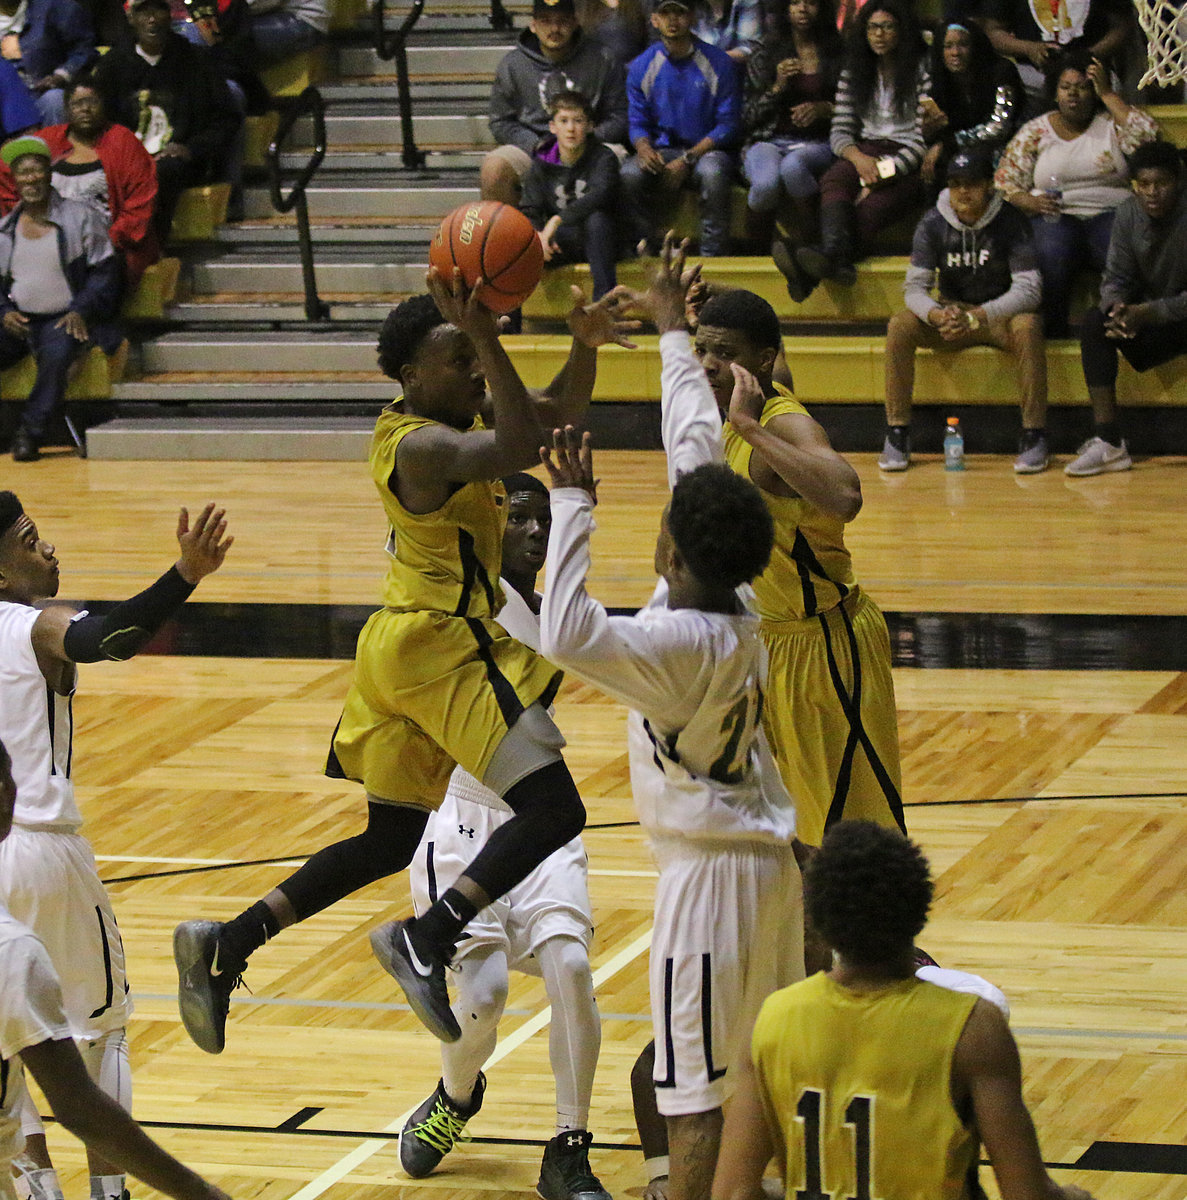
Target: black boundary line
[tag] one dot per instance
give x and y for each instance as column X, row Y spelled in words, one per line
column 295, row 1125
column 263, row 862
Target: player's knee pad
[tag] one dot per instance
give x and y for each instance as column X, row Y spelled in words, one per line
column 107, row 1062
column 564, row 962
column 482, row 987
column 534, row 741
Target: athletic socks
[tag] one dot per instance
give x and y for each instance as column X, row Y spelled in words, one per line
column 38, row 1183
column 248, row 931
column 107, row 1187
column 1109, row 432
column 442, row 924
column 898, row 436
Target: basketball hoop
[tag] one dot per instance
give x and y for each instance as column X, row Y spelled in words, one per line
column 1164, row 23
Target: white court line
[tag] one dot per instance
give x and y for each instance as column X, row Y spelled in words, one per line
column 372, row 1146
column 296, row 862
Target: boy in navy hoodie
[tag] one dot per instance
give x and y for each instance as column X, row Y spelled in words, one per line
column 570, row 192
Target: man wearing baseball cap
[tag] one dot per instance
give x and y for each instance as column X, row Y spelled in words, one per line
column 553, row 55
column 978, row 252
column 59, row 279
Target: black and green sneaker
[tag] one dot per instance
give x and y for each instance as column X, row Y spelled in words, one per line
column 430, row 1133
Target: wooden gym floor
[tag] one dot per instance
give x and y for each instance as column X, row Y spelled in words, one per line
column 1050, row 801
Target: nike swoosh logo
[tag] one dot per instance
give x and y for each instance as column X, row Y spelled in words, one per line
column 417, row 965
column 214, row 961
column 453, row 912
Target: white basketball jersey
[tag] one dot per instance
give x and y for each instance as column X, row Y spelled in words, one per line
column 36, row 724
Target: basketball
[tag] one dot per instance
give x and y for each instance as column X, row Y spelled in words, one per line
column 492, row 241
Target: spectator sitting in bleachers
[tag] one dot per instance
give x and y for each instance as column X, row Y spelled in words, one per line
column 977, row 252
column 685, row 101
column 1035, row 34
column 618, row 26
column 168, row 92
column 18, row 110
column 570, row 193
column 735, row 26
column 877, row 134
column 50, row 42
column 282, row 28
column 976, row 98
column 1143, row 299
column 551, row 56
column 103, row 164
column 1066, row 170
column 59, row 285
column 791, row 82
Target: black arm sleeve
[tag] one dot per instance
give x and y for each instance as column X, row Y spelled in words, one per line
column 122, row 633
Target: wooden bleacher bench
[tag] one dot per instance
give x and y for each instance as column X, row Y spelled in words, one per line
column 849, row 370
column 91, row 376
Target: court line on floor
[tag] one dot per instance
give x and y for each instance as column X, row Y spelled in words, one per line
column 372, row 1146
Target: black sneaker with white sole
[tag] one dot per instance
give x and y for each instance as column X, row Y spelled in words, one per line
column 564, row 1171
column 206, row 977
column 421, row 973
column 434, row 1129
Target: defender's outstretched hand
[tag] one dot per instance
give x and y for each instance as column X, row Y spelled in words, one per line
column 203, row 547
column 574, row 461
column 604, row 321
column 666, row 299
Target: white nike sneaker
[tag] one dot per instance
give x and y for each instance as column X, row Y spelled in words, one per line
column 205, row 980
column 422, row 976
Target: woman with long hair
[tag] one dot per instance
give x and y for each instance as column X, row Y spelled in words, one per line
column 790, row 86
column 976, row 98
column 877, row 134
column 1066, row 170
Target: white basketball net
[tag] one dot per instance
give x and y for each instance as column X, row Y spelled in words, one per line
column 1165, row 25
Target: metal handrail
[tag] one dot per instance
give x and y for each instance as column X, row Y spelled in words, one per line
column 310, row 103
column 393, row 44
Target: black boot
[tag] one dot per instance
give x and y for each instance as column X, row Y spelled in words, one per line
column 833, row 258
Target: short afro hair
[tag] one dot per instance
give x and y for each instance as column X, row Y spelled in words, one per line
column 1159, row 155
column 521, row 481
column 405, row 327
column 721, row 526
column 745, row 312
column 867, row 892
column 11, row 511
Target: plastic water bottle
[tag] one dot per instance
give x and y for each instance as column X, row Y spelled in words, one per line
column 1053, row 190
column 953, row 446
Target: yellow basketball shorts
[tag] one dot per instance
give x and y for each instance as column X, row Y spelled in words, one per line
column 430, row 691
column 830, row 716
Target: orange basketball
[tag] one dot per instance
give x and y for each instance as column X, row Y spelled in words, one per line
column 490, row 241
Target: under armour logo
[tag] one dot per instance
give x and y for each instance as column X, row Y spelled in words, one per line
column 465, row 832
column 574, row 1140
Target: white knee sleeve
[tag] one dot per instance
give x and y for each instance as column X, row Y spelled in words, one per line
column 108, row 1065
column 575, row 1035
column 481, row 980
column 31, row 1125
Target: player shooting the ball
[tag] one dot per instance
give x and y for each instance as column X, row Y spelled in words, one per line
column 437, row 682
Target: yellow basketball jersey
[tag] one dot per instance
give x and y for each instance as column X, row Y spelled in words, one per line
column 810, row 569
column 856, row 1090
column 444, row 561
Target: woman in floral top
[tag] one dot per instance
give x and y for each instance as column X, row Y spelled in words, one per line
column 1066, row 170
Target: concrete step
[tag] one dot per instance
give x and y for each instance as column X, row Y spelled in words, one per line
column 262, row 439
column 443, row 95
column 380, row 235
column 377, row 199
column 236, row 273
column 278, row 388
column 289, row 310
column 379, row 128
column 430, row 59
column 459, row 165
column 320, row 351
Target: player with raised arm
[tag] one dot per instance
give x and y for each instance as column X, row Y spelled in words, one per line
column 866, row 1081
column 437, row 682
column 690, row 666
column 35, row 1032
column 830, row 715
column 542, row 927
column 48, row 879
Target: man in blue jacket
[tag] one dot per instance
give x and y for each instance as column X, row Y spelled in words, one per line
column 685, row 103
column 51, row 42
column 58, row 278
